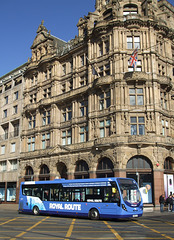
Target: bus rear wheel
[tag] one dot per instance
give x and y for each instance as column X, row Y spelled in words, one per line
column 35, row 210
column 94, row 214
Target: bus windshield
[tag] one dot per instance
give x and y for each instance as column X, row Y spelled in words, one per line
column 130, row 192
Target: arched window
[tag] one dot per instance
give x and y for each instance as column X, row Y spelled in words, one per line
column 140, row 169
column 82, row 170
column 29, row 174
column 105, row 168
column 44, row 173
column 62, row 170
column 168, row 165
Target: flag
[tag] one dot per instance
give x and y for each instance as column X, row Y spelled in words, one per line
column 133, row 59
column 94, row 71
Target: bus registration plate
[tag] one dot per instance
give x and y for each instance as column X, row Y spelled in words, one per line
column 134, row 216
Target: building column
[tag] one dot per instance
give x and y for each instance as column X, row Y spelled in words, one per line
column 92, row 174
column 158, row 185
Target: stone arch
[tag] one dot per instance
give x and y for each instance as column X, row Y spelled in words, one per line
column 81, row 169
column 62, row 170
column 44, row 173
column 29, row 173
column 140, row 168
column 105, row 168
column 131, row 155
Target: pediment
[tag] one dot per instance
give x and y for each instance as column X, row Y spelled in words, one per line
column 40, row 38
column 59, row 149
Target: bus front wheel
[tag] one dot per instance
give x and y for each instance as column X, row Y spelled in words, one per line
column 35, row 210
column 94, row 214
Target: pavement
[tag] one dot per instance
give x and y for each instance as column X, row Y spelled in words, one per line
column 14, row 207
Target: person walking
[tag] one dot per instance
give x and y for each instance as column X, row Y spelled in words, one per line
column 173, row 202
column 169, row 202
column 162, row 201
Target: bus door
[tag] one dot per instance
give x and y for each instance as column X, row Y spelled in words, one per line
column 111, row 199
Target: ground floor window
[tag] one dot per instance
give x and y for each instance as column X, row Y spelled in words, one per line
column 2, row 191
column 140, row 169
column 11, row 192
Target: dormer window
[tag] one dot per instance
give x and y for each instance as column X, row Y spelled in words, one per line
column 130, row 9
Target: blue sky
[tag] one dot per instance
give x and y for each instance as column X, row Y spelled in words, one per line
column 19, row 21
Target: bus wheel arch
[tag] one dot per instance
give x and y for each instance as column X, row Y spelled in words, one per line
column 36, row 210
column 94, row 214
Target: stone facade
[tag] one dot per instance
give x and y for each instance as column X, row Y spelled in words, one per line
column 88, row 113
column 11, row 103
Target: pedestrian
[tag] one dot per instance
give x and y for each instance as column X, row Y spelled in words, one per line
column 162, row 201
column 173, row 202
column 169, row 202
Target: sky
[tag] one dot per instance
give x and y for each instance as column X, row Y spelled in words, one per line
column 20, row 19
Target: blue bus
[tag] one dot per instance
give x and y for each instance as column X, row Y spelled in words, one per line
column 93, row 198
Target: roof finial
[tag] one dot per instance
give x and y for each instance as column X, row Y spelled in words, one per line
column 42, row 22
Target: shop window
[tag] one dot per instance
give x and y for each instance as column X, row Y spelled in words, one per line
column 2, row 191
column 140, row 169
column 11, row 192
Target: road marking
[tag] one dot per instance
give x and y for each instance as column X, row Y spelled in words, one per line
column 8, row 221
column 164, row 235
column 70, row 230
column 30, row 228
column 113, row 231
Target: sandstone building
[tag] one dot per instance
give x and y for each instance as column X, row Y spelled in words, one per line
column 11, row 104
column 88, row 113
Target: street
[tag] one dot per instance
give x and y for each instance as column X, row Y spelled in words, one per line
column 16, row 226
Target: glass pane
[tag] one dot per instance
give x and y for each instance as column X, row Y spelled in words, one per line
column 141, row 119
column 102, row 124
column 140, row 100
column 141, row 130
column 133, row 119
column 139, row 90
column 133, row 129
column 131, row 91
column 102, row 133
column 69, row 140
column 132, row 100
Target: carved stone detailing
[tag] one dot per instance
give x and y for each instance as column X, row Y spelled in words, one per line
column 106, row 80
column 136, row 76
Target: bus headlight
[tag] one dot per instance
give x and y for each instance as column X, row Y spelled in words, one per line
column 124, row 208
